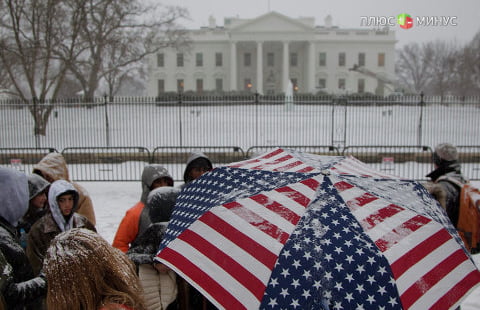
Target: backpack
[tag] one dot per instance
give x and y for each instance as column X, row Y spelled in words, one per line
column 468, row 226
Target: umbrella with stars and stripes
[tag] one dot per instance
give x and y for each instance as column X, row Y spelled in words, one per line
column 293, row 230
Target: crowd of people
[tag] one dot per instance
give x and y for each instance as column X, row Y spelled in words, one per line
column 51, row 256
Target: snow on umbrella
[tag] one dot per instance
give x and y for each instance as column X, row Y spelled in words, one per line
column 296, row 230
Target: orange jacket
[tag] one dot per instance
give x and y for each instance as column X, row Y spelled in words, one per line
column 128, row 229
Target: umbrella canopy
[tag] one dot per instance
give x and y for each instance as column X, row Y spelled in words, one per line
column 301, row 231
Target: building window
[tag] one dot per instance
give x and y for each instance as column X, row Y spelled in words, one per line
column 322, row 83
column 341, row 83
column 161, row 86
column 160, row 60
column 199, row 85
column 248, row 84
column 323, row 59
column 199, row 59
column 361, row 86
column 381, row 59
column 293, row 59
column 270, row 59
column 247, row 59
column 218, row 59
column 179, row 59
column 341, row 59
column 361, row 59
column 180, row 85
column 219, row 85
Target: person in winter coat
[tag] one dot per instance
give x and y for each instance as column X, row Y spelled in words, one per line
column 5, row 272
column 197, row 164
column 37, row 206
column 53, row 167
column 153, row 176
column 85, row 272
column 158, row 281
column 63, row 204
column 445, row 160
column 21, row 290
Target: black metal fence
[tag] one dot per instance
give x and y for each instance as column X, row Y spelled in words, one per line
column 113, row 138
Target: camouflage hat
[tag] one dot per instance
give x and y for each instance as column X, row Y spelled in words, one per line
column 446, row 152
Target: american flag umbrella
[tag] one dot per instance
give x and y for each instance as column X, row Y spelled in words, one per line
column 292, row 230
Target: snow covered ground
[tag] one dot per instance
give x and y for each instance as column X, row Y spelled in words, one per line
column 112, row 199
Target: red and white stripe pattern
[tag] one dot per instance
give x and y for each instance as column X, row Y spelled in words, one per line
column 230, row 251
column 352, row 166
column 276, row 160
column 430, row 268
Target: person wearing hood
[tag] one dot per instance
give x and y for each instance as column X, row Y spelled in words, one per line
column 37, row 205
column 153, row 176
column 158, row 281
column 63, row 203
column 20, row 289
column 197, row 164
column 445, row 161
column 53, row 167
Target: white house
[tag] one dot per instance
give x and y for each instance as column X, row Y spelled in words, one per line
column 265, row 53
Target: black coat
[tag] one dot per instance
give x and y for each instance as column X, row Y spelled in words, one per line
column 23, row 290
column 145, row 246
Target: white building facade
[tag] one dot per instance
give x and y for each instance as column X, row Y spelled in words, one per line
column 265, row 53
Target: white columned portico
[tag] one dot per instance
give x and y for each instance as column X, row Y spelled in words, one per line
column 233, row 65
column 311, row 67
column 260, row 67
column 285, row 73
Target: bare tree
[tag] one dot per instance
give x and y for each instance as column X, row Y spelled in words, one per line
column 31, row 30
column 412, row 67
column 442, row 66
column 44, row 41
column 118, row 34
column 472, row 64
column 465, row 83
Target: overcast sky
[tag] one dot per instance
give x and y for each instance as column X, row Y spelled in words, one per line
column 347, row 13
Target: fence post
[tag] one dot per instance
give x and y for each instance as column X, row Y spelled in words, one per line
column 179, row 103
column 256, row 117
column 420, row 121
column 339, row 121
column 107, row 124
column 35, row 121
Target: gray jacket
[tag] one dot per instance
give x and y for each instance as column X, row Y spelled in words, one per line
column 22, row 289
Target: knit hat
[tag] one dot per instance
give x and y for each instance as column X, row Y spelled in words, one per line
column 445, row 153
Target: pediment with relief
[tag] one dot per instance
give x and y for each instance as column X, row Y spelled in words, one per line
column 272, row 22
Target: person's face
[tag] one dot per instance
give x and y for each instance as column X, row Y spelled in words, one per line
column 159, row 183
column 65, row 203
column 39, row 201
column 197, row 172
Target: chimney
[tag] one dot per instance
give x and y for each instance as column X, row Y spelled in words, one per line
column 328, row 21
column 211, row 22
